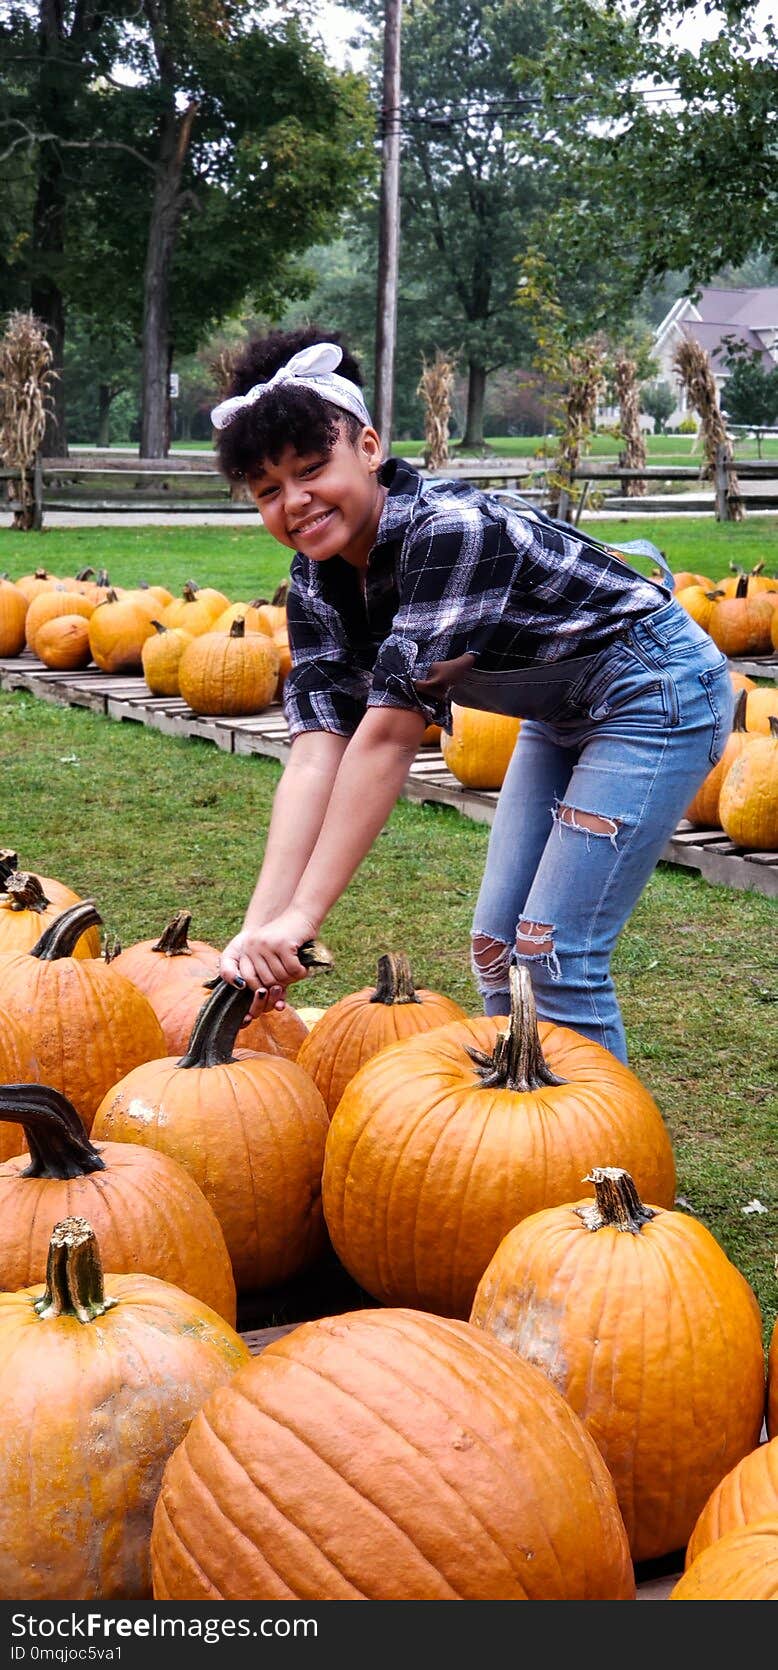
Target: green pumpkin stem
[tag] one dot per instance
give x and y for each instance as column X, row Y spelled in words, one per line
column 517, row 1061
column 62, row 936
column 25, row 892
column 56, row 1139
column 74, row 1275
column 212, row 1039
column 173, row 941
column 394, row 982
column 616, row 1204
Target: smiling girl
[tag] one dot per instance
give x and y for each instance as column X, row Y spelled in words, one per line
column 405, row 594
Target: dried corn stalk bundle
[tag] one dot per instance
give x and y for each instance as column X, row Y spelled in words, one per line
column 435, row 386
column 633, row 456
column 692, row 362
column 585, row 374
column 26, row 377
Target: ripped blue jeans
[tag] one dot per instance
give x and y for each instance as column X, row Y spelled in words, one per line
column 592, row 794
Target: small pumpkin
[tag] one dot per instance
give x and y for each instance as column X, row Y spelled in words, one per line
column 353, row 1030
column 743, row 1565
column 685, row 578
column 247, row 612
column 160, row 656
column 761, row 707
column 56, row 895
column 748, row 1493
column 387, row 1455
column 196, row 610
column 748, row 802
column 441, row 1143
column 652, row 1335
column 63, row 643
column 87, row 1024
column 118, row 629
column 698, row 602
column 229, row 673
column 741, row 624
column 13, row 611
column 49, row 605
column 249, row 1128
column 272, row 615
column 100, row 1376
column 478, row 749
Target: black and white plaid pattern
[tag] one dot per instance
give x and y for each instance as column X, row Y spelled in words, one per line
column 452, row 570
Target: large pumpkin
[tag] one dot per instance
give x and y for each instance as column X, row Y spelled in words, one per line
column 761, row 707
column 174, row 973
column 63, row 643
column 743, row 1565
column 250, row 1129
column 442, row 1143
column 229, row 673
column 147, row 1212
column 87, row 1024
column 50, row 605
column 388, row 1455
column 17, row 1063
column 160, row 656
column 353, row 1030
column 56, row 893
column 478, row 749
column 703, row 812
column 118, row 630
column 748, row 1493
column 99, row 1380
column 741, row 624
column 748, row 802
column 26, row 909
column 13, row 610
column 640, row 1320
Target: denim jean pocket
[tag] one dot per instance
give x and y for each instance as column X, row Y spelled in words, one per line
column 717, row 685
column 629, row 681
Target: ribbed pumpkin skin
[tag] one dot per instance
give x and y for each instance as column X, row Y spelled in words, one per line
column 742, row 625
column 704, row 809
column 63, row 643
column 479, row 748
column 91, row 1413
column 117, row 633
column 251, row 1134
column 147, row 1213
column 655, row 1341
column 748, row 1493
column 175, row 989
column 160, row 657
column 221, row 674
column 21, row 929
column 353, row 1030
column 748, row 802
column 397, row 1457
column 50, row 605
column 425, row 1170
column 761, row 706
column 17, row 1066
column 741, row 1566
column 88, row 1025
column 13, row 610
column 772, row 1385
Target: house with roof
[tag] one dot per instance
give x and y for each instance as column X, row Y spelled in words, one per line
column 749, row 316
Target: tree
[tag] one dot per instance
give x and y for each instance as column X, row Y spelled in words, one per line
column 751, row 390
column 658, row 400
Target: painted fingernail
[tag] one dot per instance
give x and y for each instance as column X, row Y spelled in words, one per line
column 238, row 981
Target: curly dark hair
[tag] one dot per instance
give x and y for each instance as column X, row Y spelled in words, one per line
column 289, row 415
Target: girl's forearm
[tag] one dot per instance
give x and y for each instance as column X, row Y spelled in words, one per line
column 370, row 777
column 299, row 809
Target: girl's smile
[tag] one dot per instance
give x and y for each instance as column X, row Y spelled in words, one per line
column 324, row 505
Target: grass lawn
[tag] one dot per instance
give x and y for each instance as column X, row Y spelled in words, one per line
column 147, row 824
column 245, row 562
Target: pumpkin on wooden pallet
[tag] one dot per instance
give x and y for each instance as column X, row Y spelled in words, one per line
column 743, row 1565
column 761, row 707
column 40, row 580
column 50, row 605
column 13, row 612
column 703, row 812
column 652, row 1335
column 100, row 1376
column 741, row 624
column 196, row 610
column 160, row 656
column 443, row 1142
column 478, row 749
column 748, row 1493
column 229, row 673
column 249, row 613
column 62, row 643
column 87, row 1024
column 174, row 973
column 250, row 1128
column 388, row 1455
column 354, row 1029
column 748, row 802
column 118, row 629
column 146, row 1210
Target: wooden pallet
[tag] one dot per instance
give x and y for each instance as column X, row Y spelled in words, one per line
column 757, row 666
column 429, row 780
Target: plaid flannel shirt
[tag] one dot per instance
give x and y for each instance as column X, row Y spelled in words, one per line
column 452, row 570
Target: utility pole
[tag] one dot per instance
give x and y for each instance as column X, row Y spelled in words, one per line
column 389, row 227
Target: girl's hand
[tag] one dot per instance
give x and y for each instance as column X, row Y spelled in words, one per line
column 265, row 958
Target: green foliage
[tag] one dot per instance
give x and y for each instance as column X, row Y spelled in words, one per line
column 751, row 391
column 687, row 426
column 659, row 400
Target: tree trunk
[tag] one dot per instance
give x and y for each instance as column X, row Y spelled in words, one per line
column 48, row 225
column 104, row 398
column 476, row 392
column 157, row 343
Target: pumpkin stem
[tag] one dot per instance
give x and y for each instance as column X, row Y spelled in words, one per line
column 517, row 1062
column 213, row 1035
column 56, row 1139
column 85, row 574
column 773, row 724
column 741, row 589
column 158, row 627
column 102, row 578
column 617, row 1204
column 238, row 628
column 315, row 956
column 63, row 935
column 739, row 715
column 279, row 595
column 112, row 947
column 9, row 861
column 74, row 1274
column 394, row 982
column 190, row 591
column 25, row 891
column 173, row 941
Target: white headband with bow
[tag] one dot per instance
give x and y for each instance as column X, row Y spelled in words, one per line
column 313, row 368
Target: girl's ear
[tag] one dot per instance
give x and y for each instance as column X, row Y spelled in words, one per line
column 369, row 444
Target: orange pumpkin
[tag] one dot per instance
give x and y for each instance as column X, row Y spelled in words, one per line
column 230, row 673
column 741, row 623
column 118, row 630
column 25, row 910
column 148, row 1213
column 704, row 809
column 250, row 1129
column 173, row 972
column 685, row 578
column 56, row 894
column 13, row 611
column 754, row 581
column 355, row 1029
column 761, row 707
column 748, row 1493
column 17, row 1063
column 160, row 656
column 772, row 1384
column 478, row 750
column 99, row 1379
column 196, row 610
column 63, row 643
column 743, row 1565
column 654, row 1338
column 388, row 1455
column 87, row 1024
column 272, row 615
column 31, row 584
column 443, row 1142
column 748, row 802
column 698, row 602
column 247, row 612
column 49, row 605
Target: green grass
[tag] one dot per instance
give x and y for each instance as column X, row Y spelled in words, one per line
column 660, row 449
column 147, row 824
